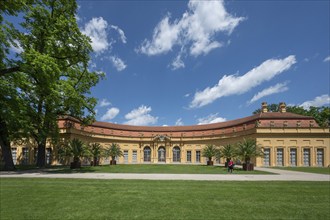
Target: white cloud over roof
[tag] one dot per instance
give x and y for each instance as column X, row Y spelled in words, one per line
column 212, row 118
column 179, row 122
column 278, row 88
column 110, row 114
column 235, row 85
column 140, row 116
column 317, row 102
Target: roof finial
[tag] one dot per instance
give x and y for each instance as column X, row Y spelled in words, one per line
column 282, row 107
column 264, row 107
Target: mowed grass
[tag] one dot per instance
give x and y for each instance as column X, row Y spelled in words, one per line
column 40, row 198
column 319, row 170
column 155, row 168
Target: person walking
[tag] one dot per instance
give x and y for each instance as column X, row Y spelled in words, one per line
column 230, row 166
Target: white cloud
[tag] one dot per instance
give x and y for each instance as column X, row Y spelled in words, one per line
column 212, row 118
column 16, row 47
column 235, row 85
column 177, row 63
column 121, row 33
column 110, row 114
column 187, row 95
column 327, row 59
column 195, row 30
column 278, row 88
column 118, row 63
column 179, row 122
column 164, row 37
column 317, row 102
column 140, row 116
column 204, row 47
column 104, row 102
column 96, row 30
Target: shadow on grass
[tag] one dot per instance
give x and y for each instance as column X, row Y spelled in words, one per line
column 138, row 168
column 21, row 169
column 157, row 169
column 66, row 169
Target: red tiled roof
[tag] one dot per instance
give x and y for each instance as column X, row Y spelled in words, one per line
column 251, row 119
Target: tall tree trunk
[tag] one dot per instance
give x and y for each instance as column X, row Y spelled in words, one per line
column 41, row 159
column 5, row 146
column 43, row 132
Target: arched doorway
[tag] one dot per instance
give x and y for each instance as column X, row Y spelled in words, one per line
column 147, row 154
column 161, row 154
column 176, row 154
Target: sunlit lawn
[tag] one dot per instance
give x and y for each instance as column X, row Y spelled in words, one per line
column 320, row 170
column 142, row 199
column 156, row 168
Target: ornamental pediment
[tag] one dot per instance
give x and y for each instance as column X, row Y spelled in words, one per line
column 161, row 138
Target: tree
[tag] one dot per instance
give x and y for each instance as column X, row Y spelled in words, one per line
column 247, row 150
column 76, row 149
column 12, row 122
column 228, row 152
column 52, row 70
column 96, row 151
column 113, row 151
column 13, row 125
column 321, row 115
column 209, row 151
column 7, row 30
column 5, row 146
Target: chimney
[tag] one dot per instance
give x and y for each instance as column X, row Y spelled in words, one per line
column 282, row 107
column 264, row 107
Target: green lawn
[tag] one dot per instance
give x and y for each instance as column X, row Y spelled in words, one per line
column 321, row 170
column 155, row 168
column 39, row 198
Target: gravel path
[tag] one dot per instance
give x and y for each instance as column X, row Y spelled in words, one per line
column 279, row 175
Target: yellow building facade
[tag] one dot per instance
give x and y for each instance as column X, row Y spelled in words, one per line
column 287, row 139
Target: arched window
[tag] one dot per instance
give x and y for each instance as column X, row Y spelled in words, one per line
column 176, row 154
column 161, row 154
column 147, row 154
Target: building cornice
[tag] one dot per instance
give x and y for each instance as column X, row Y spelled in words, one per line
column 229, row 128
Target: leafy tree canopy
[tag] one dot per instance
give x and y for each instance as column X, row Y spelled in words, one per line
column 49, row 75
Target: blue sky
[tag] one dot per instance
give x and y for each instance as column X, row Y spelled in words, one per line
column 196, row 62
column 184, row 63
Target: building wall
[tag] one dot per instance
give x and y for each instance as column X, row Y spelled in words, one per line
column 287, row 142
column 295, row 151
column 25, row 154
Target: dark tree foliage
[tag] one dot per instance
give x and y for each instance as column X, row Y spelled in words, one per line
column 48, row 77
